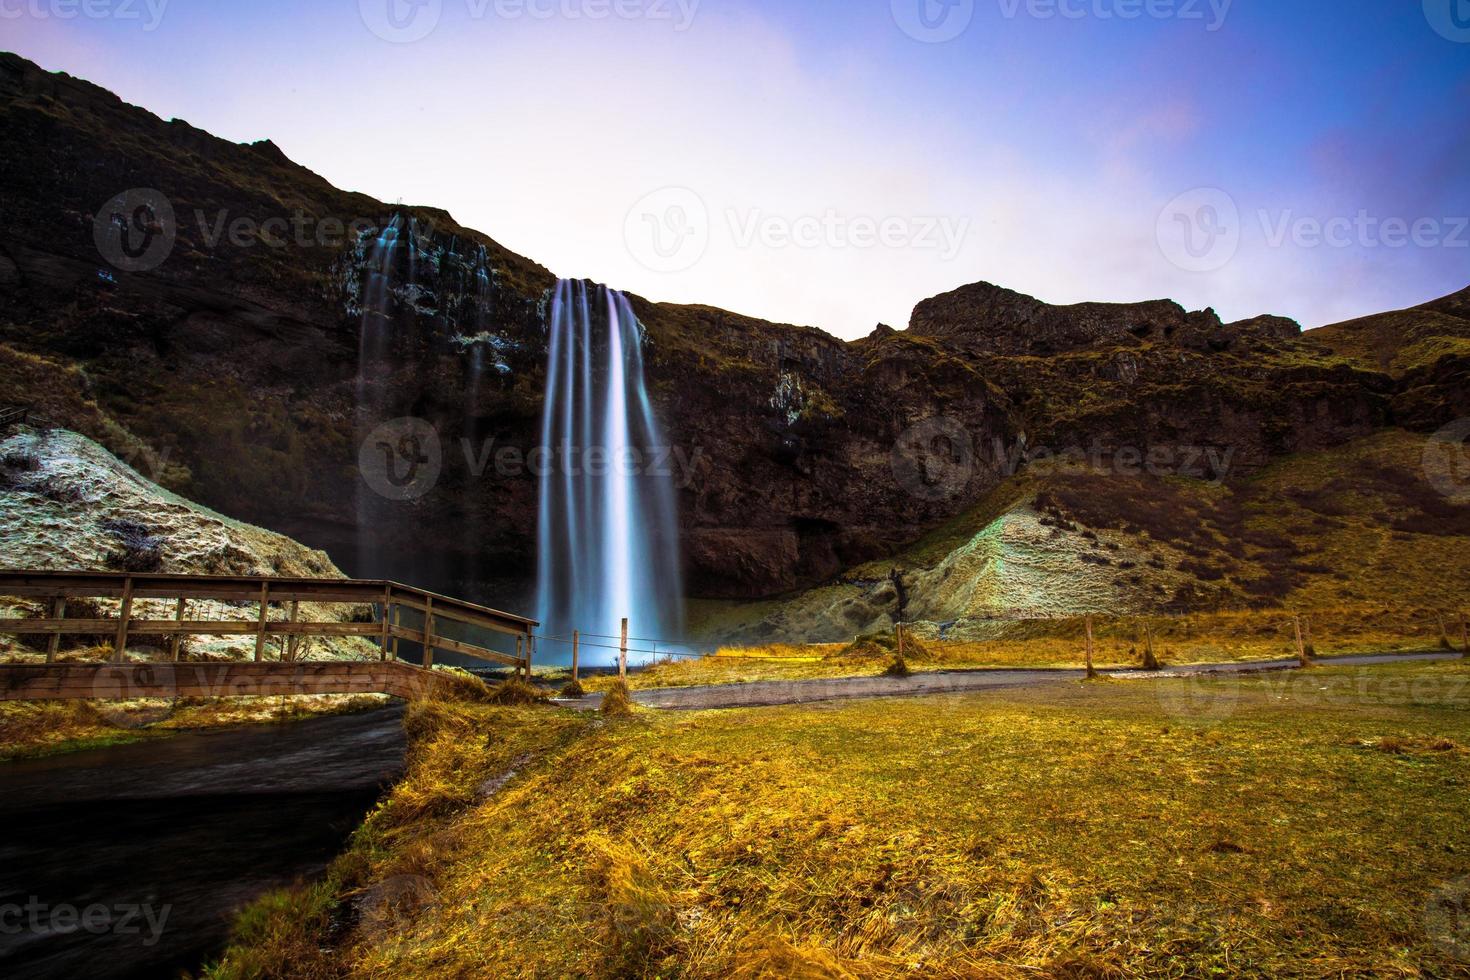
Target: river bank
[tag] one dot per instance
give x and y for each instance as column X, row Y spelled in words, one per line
column 133, row 860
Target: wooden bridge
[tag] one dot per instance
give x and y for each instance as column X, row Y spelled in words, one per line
column 281, row 663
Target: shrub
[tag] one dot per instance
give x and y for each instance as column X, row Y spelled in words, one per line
column 617, row 702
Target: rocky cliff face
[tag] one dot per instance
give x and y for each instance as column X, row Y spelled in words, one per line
column 241, row 365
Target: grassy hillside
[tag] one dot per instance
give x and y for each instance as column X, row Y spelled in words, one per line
column 1348, row 529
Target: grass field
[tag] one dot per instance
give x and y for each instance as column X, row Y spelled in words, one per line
column 1302, row 824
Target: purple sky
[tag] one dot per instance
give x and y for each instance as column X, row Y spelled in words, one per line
column 832, row 162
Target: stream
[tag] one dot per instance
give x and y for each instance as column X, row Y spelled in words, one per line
column 132, row 861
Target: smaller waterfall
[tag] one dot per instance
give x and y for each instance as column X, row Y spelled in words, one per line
column 608, row 532
column 375, row 346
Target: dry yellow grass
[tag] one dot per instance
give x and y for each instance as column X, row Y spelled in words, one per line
column 1231, row 637
column 1223, row 827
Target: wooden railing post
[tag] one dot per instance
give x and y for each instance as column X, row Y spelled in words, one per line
column 387, row 624
column 176, row 641
column 577, row 642
column 898, row 630
column 265, row 608
column 1301, row 644
column 429, row 633
column 58, row 612
column 293, row 641
column 522, row 657
column 623, row 653
column 120, row 642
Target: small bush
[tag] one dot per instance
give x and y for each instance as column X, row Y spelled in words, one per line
column 573, row 689
column 617, row 702
column 514, row 691
column 898, row 667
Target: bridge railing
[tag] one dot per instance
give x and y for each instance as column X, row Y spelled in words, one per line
column 385, row 628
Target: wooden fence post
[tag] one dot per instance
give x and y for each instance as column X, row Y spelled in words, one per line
column 520, row 656
column 1464, row 636
column 530, row 655
column 397, row 621
column 429, row 633
column 576, row 642
column 1150, row 661
column 1301, row 645
column 58, row 612
column 898, row 630
column 175, row 643
column 623, row 654
column 265, row 611
column 120, row 642
column 1091, row 671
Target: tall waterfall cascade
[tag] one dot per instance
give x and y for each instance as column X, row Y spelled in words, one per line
column 608, row 530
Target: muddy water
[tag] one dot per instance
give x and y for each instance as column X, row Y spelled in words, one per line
column 131, row 861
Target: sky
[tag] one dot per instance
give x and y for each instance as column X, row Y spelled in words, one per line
column 833, row 162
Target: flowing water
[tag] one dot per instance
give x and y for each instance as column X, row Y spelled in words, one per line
column 608, row 529
column 132, row 861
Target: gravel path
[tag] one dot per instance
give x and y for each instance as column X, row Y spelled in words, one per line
column 766, row 693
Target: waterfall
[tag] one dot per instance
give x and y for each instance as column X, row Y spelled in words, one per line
column 374, row 359
column 608, row 531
